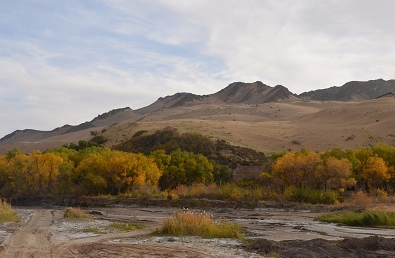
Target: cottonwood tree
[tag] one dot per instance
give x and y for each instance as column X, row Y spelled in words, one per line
column 337, row 173
column 375, row 172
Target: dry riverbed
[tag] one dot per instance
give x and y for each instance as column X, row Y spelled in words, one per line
column 45, row 233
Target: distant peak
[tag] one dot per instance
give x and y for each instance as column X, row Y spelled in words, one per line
column 353, row 90
column 253, row 93
column 111, row 113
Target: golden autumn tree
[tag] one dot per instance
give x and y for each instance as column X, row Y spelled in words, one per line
column 107, row 171
column 33, row 173
column 311, row 167
column 375, row 172
column 16, row 173
column 301, row 170
column 4, row 180
column 89, row 174
column 142, row 171
column 50, row 168
column 337, row 174
column 286, row 171
column 118, row 166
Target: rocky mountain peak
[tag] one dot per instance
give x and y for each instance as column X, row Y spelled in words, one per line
column 353, row 90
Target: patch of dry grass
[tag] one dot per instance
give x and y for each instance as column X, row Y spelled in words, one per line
column 75, row 213
column 381, row 216
column 187, row 223
column 7, row 214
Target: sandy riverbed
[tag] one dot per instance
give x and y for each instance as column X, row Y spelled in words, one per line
column 45, row 233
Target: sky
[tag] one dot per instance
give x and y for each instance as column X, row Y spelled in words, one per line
column 65, row 62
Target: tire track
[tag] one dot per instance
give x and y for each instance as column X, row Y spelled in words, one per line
column 33, row 240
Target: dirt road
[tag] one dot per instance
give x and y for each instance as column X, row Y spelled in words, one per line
column 48, row 235
column 33, row 240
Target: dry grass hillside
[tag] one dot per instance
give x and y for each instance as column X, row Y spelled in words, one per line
column 268, row 127
column 255, row 115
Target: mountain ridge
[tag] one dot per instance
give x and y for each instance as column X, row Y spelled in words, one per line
column 234, row 95
column 353, row 90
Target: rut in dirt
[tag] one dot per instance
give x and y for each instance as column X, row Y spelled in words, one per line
column 33, row 240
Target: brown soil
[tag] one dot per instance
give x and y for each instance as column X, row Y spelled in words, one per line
column 43, row 236
column 318, row 248
column 33, row 239
column 46, row 234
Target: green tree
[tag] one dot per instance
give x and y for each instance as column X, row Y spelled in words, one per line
column 186, row 168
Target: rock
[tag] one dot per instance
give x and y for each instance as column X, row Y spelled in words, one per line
column 95, row 213
column 372, row 247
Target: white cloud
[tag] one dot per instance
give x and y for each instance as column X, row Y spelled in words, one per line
column 301, row 44
column 65, row 63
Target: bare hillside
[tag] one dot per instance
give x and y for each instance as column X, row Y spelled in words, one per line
column 238, row 114
column 355, row 90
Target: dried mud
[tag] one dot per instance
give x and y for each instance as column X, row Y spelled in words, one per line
column 45, row 233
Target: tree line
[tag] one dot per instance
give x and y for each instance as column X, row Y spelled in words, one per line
column 167, row 159
column 99, row 170
column 366, row 168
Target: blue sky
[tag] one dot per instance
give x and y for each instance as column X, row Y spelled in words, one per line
column 65, row 62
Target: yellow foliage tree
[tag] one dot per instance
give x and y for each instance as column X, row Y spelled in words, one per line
column 337, row 173
column 311, row 167
column 287, row 171
column 115, row 172
column 375, row 172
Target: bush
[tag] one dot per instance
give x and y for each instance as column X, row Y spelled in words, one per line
column 237, row 193
column 196, row 191
column 99, row 139
column 296, row 142
column 7, row 214
column 146, row 192
column 75, row 213
column 377, row 217
column 311, row 195
column 186, row 223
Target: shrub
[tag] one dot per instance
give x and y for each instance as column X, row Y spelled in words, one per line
column 360, row 200
column 146, row 192
column 139, row 133
column 195, row 191
column 376, row 217
column 349, row 138
column 186, row 223
column 75, row 213
column 99, row 139
column 7, row 214
column 231, row 192
column 296, row 142
column 311, row 195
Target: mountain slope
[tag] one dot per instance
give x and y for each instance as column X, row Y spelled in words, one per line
column 248, row 114
column 354, row 90
column 237, row 92
column 176, row 100
column 253, row 93
column 106, row 119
